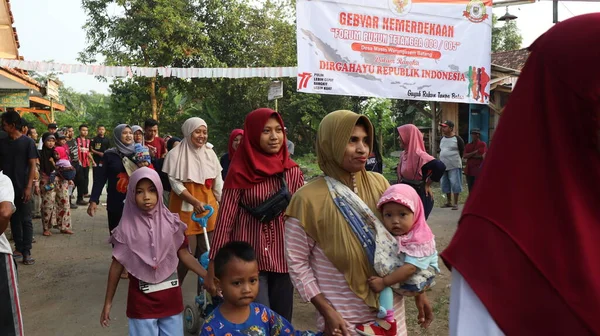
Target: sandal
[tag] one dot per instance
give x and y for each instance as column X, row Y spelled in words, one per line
column 455, row 207
column 17, row 254
column 66, row 232
column 447, row 205
column 28, row 260
column 47, row 233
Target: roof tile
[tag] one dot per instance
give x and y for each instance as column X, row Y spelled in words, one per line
column 513, row 59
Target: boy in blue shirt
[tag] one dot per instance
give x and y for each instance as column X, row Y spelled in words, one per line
column 236, row 273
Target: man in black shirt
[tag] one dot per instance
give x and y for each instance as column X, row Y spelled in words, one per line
column 18, row 156
column 98, row 146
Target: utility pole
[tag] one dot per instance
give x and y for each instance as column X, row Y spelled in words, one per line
column 434, row 125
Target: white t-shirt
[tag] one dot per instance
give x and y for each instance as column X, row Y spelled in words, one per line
column 7, row 194
column 450, row 153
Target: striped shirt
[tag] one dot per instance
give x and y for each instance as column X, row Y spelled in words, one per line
column 313, row 274
column 236, row 224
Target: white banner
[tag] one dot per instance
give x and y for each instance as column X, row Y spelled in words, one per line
column 437, row 50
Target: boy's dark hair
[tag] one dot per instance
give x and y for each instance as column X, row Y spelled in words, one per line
column 68, row 126
column 100, row 126
column 82, row 126
column 150, row 123
column 235, row 249
column 29, row 131
column 12, row 118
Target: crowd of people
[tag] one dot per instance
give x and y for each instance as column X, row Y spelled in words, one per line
column 258, row 193
column 349, row 242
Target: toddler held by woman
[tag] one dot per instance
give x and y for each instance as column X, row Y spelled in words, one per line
column 405, row 255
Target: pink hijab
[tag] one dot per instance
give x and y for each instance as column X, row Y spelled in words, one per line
column 419, row 241
column 62, row 153
column 146, row 243
column 414, row 156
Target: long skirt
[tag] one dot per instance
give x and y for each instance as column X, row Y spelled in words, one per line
column 56, row 211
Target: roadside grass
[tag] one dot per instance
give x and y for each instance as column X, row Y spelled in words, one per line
column 441, row 311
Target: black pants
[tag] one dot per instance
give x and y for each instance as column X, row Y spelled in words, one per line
column 95, row 171
column 428, row 201
column 82, row 180
column 471, row 182
column 201, row 247
column 114, row 217
column 22, row 227
column 276, row 292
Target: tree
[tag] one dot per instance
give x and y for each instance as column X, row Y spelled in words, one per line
column 147, row 33
column 506, row 37
column 378, row 110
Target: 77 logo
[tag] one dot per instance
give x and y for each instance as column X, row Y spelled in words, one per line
column 303, row 79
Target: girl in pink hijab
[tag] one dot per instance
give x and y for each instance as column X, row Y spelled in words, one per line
column 149, row 242
column 406, row 259
column 416, row 167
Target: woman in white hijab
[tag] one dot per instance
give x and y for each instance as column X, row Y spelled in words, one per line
column 195, row 177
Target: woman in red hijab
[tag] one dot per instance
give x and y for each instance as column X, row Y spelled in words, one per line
column 526, row 257
column 260, row 170
column 235, row 139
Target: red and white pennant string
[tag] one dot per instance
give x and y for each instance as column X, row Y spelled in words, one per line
column 124, row 71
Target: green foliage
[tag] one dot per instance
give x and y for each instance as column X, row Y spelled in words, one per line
column 207, row 33
column 145, row 33
column 309, row 166
column 506, row 37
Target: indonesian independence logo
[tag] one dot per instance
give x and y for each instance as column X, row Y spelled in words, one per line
column 475, row 11
column 400, row 7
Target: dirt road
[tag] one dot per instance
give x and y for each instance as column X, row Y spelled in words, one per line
column 63, row 293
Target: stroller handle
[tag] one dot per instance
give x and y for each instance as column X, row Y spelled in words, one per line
column 203, row 220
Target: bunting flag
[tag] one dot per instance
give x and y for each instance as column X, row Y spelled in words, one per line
column 124, row 71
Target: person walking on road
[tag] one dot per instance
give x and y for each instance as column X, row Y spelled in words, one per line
column 156, row 144
column 452, row 148
column 11, row 321
column 18, row 158
column 98, row 146
column 416, row 167
column 261, row 170
column 149, row 242
column 474, row 152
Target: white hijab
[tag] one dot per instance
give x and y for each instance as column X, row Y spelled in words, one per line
column 187, row 163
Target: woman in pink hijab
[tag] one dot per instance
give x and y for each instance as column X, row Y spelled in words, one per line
column 416, row 167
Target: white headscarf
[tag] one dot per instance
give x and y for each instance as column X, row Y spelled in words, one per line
column 187, row 163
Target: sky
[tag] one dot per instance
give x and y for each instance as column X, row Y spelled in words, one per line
column 52, row 30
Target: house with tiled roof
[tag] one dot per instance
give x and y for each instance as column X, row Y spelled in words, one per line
column 512, row 59
column 18, row 91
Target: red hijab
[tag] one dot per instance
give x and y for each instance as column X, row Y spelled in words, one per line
column 250, row 164
column 232, row 137
column 528, row 242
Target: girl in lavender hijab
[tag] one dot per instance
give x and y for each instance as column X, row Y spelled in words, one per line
column 149, row 242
